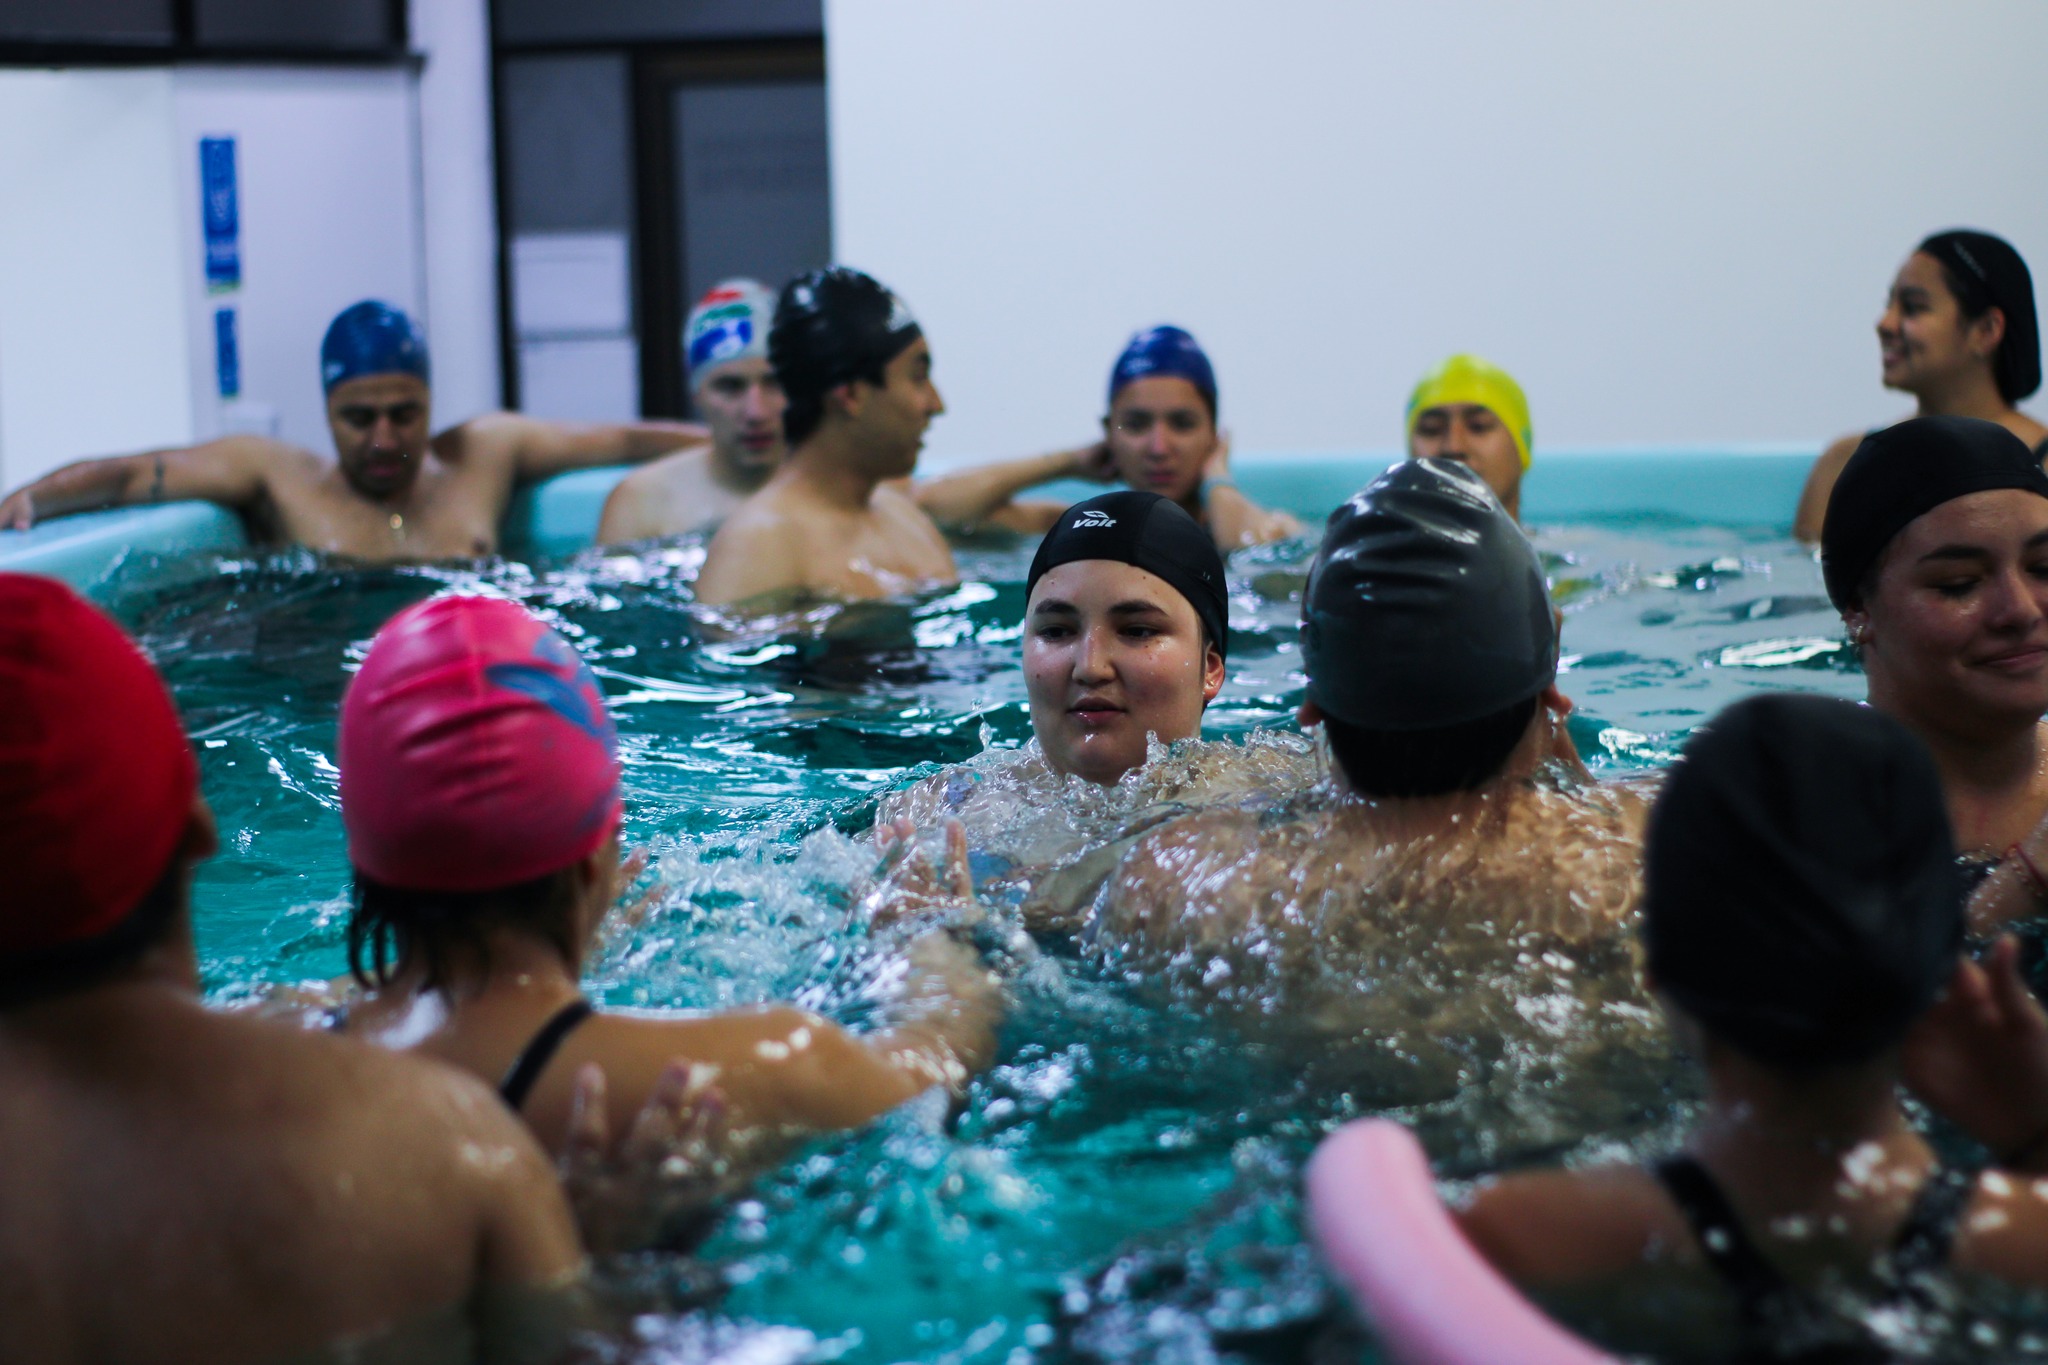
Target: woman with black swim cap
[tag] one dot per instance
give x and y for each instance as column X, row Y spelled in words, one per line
column 1959, row 332
column 1801, row 914
column 1935, row 551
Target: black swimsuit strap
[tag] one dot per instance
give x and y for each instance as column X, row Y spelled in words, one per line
column 1929, row 1232
column 2042, row 449
column 1719, row 1232
column 534, row 1058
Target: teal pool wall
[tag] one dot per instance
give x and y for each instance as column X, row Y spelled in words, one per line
column 560, row 516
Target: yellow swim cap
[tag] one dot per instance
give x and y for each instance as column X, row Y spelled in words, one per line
column 1468, row 379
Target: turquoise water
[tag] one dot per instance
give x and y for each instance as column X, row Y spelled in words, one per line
column 1122, row 1184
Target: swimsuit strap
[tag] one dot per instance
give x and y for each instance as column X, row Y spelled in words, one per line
column 2042, row 449
column 1929, row 1233
column 1719, row 1232
column 534, row 1058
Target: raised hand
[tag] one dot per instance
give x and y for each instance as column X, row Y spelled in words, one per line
column 1979, row 1057
column 661, row 1183
column 910, row 886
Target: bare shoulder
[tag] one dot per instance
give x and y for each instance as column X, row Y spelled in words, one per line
column 489, row 438
column 1558, row 1228
column 1161, row 866
column 1820, row 486
column 2004, row 1231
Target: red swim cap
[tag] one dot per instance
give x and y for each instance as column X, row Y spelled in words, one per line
column 96, row 776
column 476, row 751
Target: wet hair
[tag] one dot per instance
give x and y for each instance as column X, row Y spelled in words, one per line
column 1983, row 272
column 390, row 926
column 802, row 416
column 833, row 327
column 1427, row 762
column 84, row 963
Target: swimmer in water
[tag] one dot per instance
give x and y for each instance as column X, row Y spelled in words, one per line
column 735, row 391
column 187, row 1184
column 1159, row 435
column 1959, row 333
column 834, row 521
column 1935, row 551
column 393, row 495
column 1472, row 411
column 480, row 792
column 1802, row 909
column 1458, row 802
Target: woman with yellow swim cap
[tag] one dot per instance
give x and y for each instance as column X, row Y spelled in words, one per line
column 1473, row 411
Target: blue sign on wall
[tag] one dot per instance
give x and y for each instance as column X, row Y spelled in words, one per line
column 219, row 214
column 227, row 354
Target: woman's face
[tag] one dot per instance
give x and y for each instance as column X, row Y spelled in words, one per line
column 1113, row 654
column 1922, row 336
column 1160, row 436
column 1955, row 628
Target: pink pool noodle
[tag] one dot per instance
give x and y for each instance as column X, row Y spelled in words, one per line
column 1428, row 1294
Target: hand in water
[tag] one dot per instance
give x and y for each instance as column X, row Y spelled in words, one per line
column 626, row 916
column 910, row 886
column 1979, row 1057
column 662, row 1181
column 18, row 512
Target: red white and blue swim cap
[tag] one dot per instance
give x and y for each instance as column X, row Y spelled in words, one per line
column 476, row 751
column 97, row 781
column 729, row 323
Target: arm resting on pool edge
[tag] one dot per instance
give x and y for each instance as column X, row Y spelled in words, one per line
column 230, row 471
column 537, row 450
column 986, row 494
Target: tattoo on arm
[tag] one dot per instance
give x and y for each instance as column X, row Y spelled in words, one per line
column 156, row 484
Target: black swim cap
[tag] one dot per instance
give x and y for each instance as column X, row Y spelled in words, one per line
column 1152, row 533
column 1985, row 272
column 1801, row 895
column 834, row 326
column 1425, row 606
column 1905, row 472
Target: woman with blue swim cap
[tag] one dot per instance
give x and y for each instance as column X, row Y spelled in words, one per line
column 393, row 493
column 1159, row 435
column 1960, row 333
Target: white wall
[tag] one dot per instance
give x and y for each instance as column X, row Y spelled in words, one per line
column 93, row 342
column 1675, row 223
column 329, row 180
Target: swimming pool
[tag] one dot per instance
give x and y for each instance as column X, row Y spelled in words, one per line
column 1122, row 1185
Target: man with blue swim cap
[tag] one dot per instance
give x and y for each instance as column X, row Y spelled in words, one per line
column 394, row 493
column 1159, row 435
column 736, row 394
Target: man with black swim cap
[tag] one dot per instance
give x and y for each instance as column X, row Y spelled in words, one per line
column 834, row 520
column 1431, row 650
column 393, row 494
column 1801, row 911
column 1960, row 334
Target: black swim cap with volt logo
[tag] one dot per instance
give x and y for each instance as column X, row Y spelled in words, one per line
column 1151, row 533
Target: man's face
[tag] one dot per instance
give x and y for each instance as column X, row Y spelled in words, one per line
column 1472, row 435
column 1160, row 435
column 741, row 401
column 892, row 418
column 380, row 431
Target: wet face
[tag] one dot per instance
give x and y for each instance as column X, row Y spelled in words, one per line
column 380, row 432
column 741, row 401
column 1113, row 654
column 1160, row 435
column 890, row 420
column 1922, row 337
column 1472, row 435
column 1954, row 629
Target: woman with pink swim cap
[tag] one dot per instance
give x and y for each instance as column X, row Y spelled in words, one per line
column 480, row 791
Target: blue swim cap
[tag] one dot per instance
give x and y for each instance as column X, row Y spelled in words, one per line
column 371, row 338
column 1166, row 351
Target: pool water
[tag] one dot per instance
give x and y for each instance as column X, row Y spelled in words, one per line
column 1122, row 1185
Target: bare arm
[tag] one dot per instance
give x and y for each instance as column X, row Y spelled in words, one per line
column 538, row 450
column 1820, row 485
column 1234, row 519
column 750, row 557
column 230, row 471
column 985, row 495
column 637, row 509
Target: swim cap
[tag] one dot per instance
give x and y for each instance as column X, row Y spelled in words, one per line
column 1985, row 272
column 1152, row 533
column 1425, row 606
column 476, row 751
column 1468, row 379
column 728, row 323
column 1164, row 351
column 1905, row 472
column 1801, row 894
column 371, row 338
column 834, row 326
column 96, row 777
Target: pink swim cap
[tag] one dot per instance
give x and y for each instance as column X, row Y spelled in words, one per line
column 476, row 751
